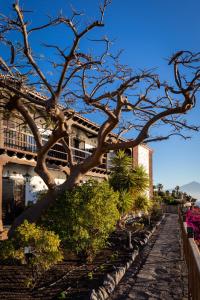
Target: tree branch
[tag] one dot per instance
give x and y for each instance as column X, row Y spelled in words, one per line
column 163, row 138
column 68, row 151
column 28, row 118
column 27, row 49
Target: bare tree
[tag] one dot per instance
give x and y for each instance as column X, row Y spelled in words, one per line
column 128, row 101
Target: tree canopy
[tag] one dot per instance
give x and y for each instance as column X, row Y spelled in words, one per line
column 88, row 81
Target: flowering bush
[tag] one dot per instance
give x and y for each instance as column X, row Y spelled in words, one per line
column 193, row 221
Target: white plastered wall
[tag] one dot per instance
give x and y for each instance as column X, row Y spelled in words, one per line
column 143, row 159
column 34, row 184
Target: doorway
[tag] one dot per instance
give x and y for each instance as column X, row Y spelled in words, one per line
column 13, row 199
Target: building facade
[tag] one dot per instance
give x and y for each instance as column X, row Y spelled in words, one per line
column 20, row 185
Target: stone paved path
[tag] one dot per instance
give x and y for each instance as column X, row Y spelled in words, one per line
column 163, row 275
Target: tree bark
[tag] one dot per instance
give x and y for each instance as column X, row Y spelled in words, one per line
column 33, row 213
column 1, row 194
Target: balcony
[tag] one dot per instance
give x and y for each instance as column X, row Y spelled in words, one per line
column 20, row 142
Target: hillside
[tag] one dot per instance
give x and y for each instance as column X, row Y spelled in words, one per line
column 192, row 188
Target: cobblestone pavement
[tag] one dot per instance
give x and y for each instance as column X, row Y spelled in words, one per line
column 163, row 274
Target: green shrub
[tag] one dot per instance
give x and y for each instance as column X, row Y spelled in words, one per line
column 137, row 226
column 142, row 203
column 157, row 199
column 140, row 180
column 170, row 200
column 128, row 181
column 8, row 252
column 156, row 211
column 43, row 245
column 125, row 203
column 62, row 295
column 126, row 178
column 121, row 172
column 84, row 217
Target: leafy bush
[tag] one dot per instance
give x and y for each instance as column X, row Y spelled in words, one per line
column 84, row 217
column 8, row 252
column 171, row 201
column 128, row 181
column 43, row 246
column 140, row 180
column 142, row 203
column 126, row 178
column 125, row 203
column 137, row 226
column 156, row 212
column 157, row 199
column 120, row 178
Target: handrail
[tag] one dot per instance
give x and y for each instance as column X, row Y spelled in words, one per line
column 192, row 258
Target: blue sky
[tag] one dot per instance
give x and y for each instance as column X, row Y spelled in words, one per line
column 149, row 32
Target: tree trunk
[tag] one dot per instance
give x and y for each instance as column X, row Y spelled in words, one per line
column 33, row 213
column 1, row 194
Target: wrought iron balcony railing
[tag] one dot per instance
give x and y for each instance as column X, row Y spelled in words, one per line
column 25, row 142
